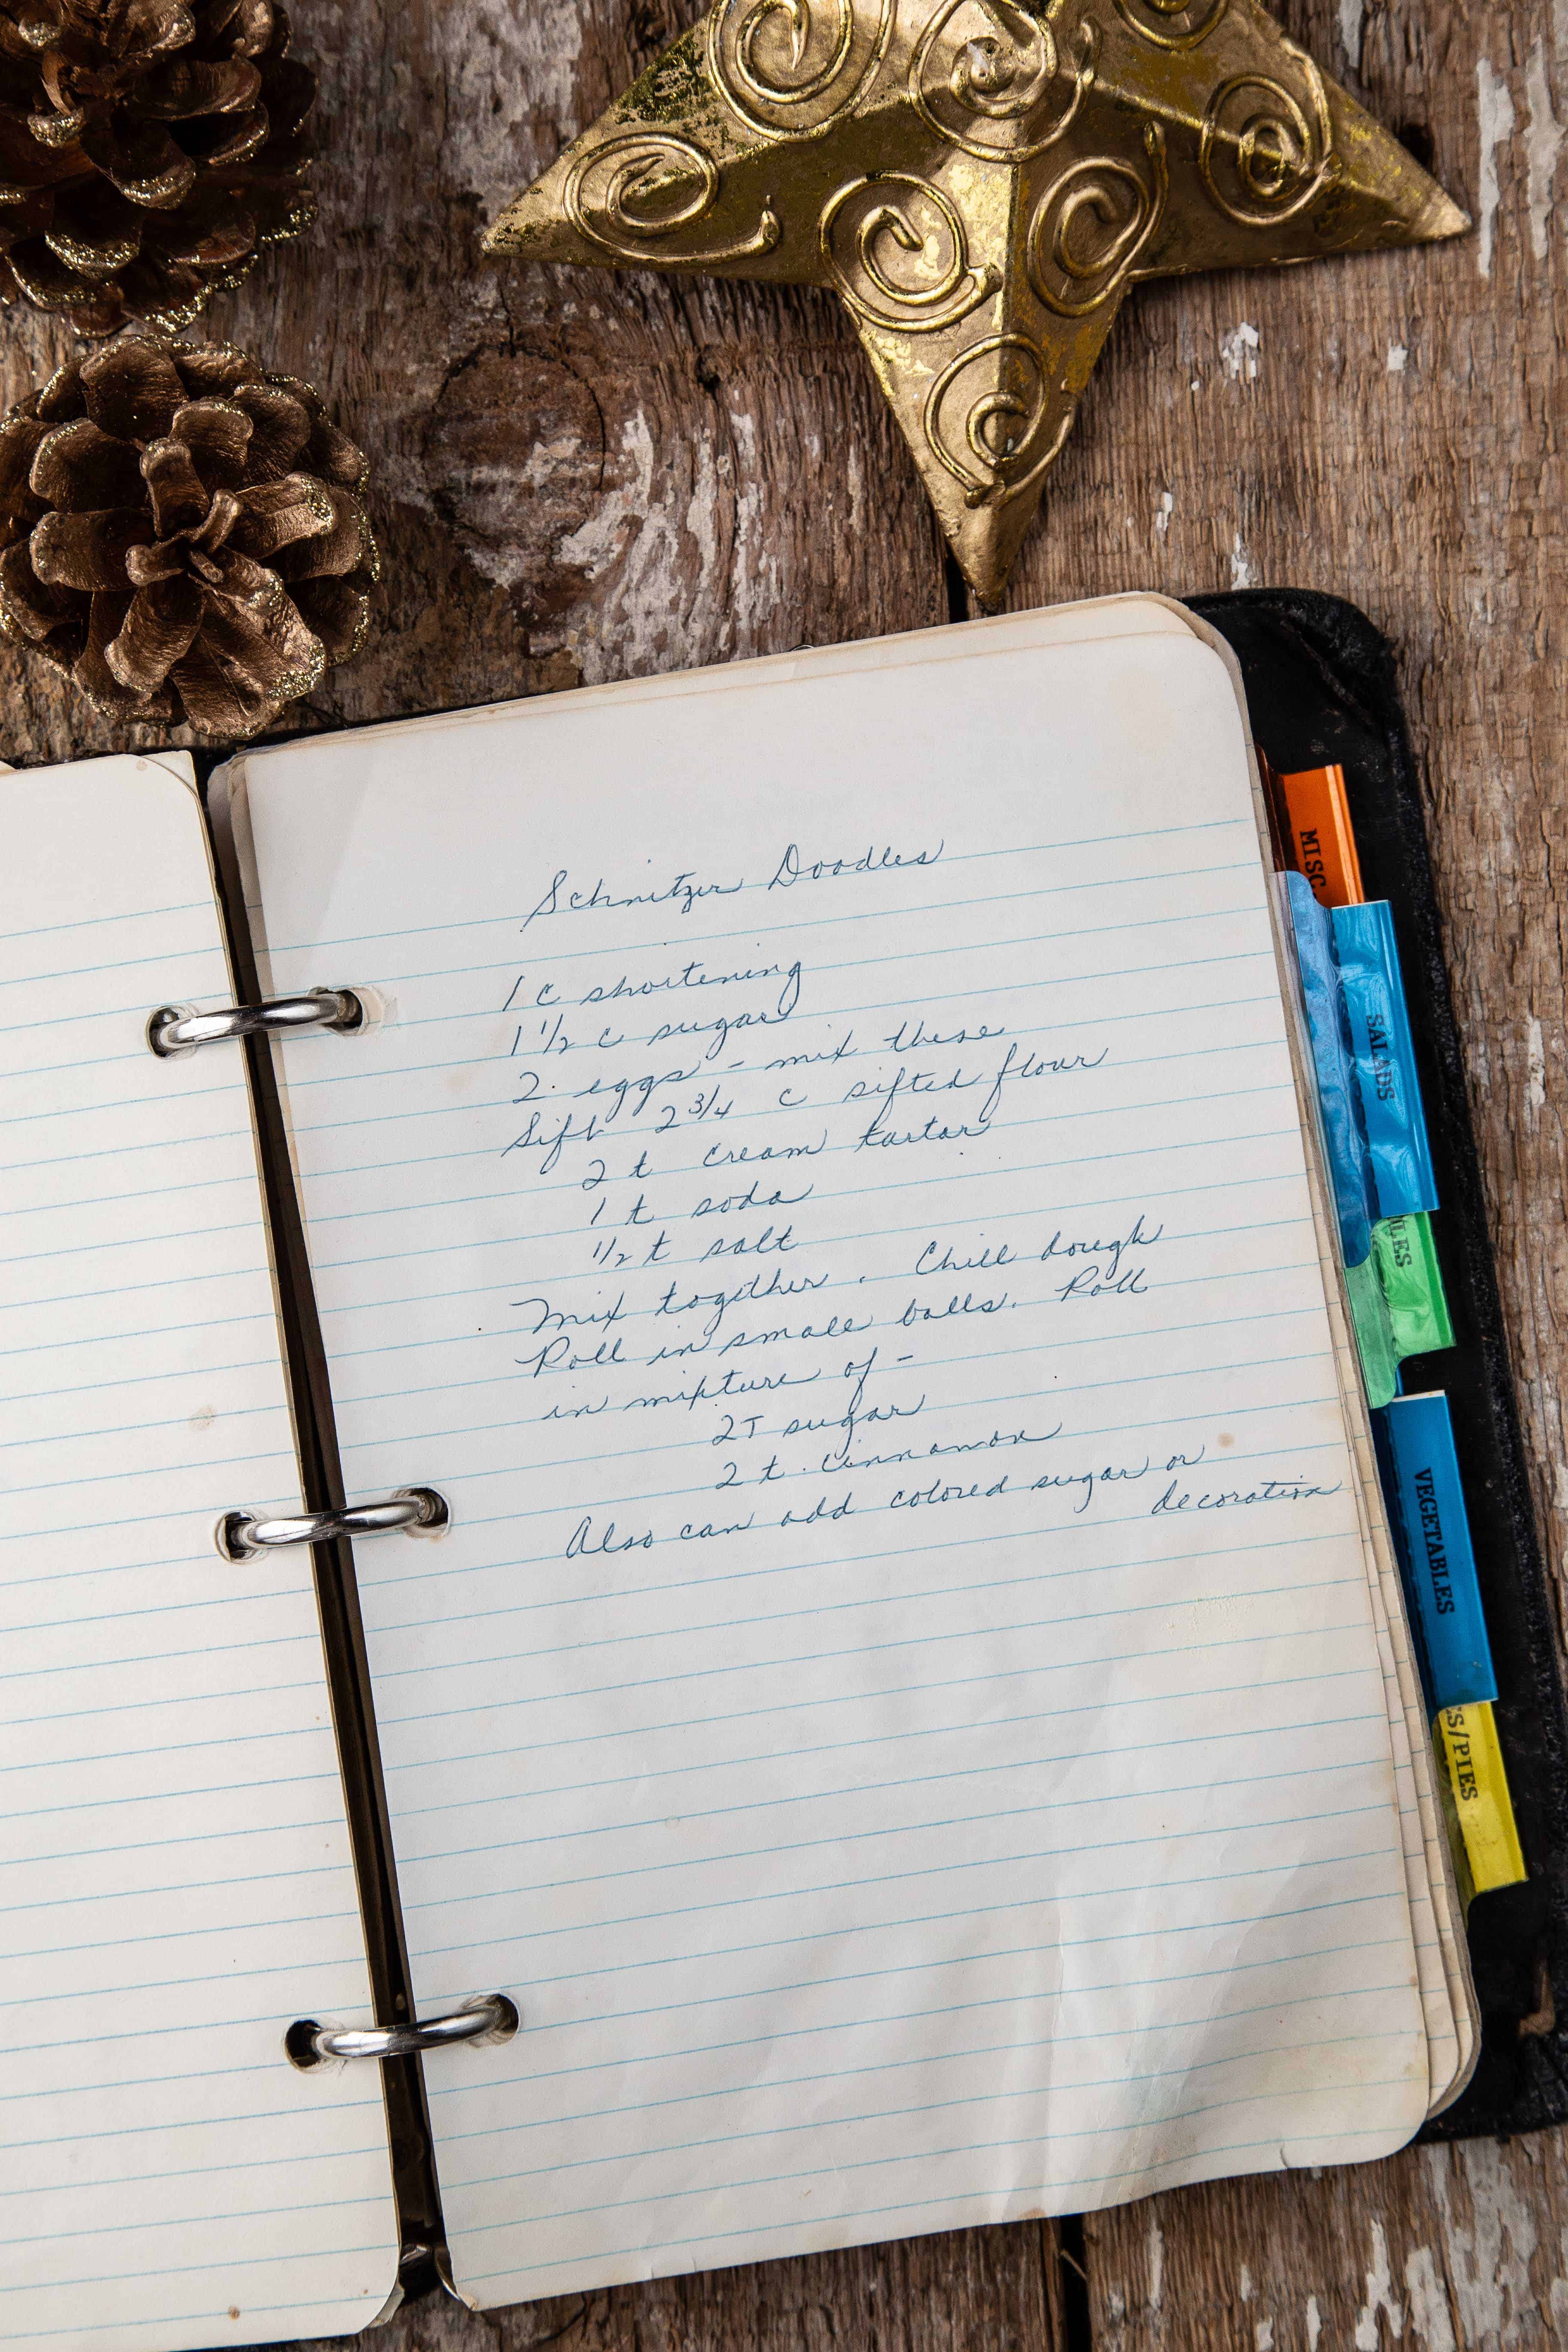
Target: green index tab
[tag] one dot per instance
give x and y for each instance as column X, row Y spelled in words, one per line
column 1412, row 1282
column 1373, row 1329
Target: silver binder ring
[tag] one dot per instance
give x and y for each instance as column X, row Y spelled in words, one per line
column 488, row 2017
column 177, row 1029
column 419, row 1509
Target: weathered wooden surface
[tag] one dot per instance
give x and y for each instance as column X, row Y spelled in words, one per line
column 577, row 477
column 1442, row 2250
column 972, row 2291
column 582, row 477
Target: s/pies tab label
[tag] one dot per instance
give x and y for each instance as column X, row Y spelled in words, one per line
column 1471, row 1755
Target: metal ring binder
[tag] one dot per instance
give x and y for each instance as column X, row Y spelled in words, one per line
column 488, row 2017
column 177, row 1029
column 420, row 1509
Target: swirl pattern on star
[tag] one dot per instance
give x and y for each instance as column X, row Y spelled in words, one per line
column 980, row 182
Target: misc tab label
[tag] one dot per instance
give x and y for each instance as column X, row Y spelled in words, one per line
column 1313, row 866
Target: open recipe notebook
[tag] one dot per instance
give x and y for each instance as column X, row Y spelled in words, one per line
column 911, row 1705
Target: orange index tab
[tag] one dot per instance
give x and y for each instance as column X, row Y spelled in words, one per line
column 1321, row 843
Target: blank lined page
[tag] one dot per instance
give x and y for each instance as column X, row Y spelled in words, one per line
column 177, row 1885
column 898, row 1707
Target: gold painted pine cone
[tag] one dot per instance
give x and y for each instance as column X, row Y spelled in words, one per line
column 181, row 535
column 149, row 148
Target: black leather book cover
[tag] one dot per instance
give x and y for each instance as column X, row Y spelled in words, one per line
column 1321, row 688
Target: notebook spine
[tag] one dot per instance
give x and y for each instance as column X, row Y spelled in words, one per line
column 424, row 2260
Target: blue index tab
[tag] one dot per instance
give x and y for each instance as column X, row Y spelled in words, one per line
column 1420, row 1473
column 1373, row 1332
column 1379, row 1025
column 1350, row 1169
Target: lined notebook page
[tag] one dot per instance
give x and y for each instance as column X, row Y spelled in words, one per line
column 899, row 1706
column 176, row 1885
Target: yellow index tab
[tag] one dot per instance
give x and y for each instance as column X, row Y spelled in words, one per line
column 1467, row 1750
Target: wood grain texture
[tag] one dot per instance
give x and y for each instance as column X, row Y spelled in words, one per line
column 965, row 2291
column 1460, row 2249
column 581, row 476
column 577, row 476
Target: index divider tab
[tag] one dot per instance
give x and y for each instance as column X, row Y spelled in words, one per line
column 1397, row 1301
column 1373, row 991
column 1467, row 1745
column 1373, row 1332
column 1412, row 1281
column 1355, row 1202
column 1415, row 1440
column 1320, row 842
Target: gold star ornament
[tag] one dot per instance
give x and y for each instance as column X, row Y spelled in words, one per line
column 979, row 182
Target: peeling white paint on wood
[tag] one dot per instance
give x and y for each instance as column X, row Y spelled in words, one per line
column 1431, row 2328
column 1379, row 2296
column 1557, row 2299
column 626, row 503
column 509, row 80
column 1489, row 2234
column 1534, row 1070
column 1495, row 125
column 656, row 528
column 1238, row 352
column 1542, row 145
column 756, row 593
column 1352, row 25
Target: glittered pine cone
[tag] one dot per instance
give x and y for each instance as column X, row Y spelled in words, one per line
column 149, row 148
column 182, row 534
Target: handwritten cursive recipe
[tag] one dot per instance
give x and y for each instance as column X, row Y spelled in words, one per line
column 723, row 1121
column 898, row 1705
